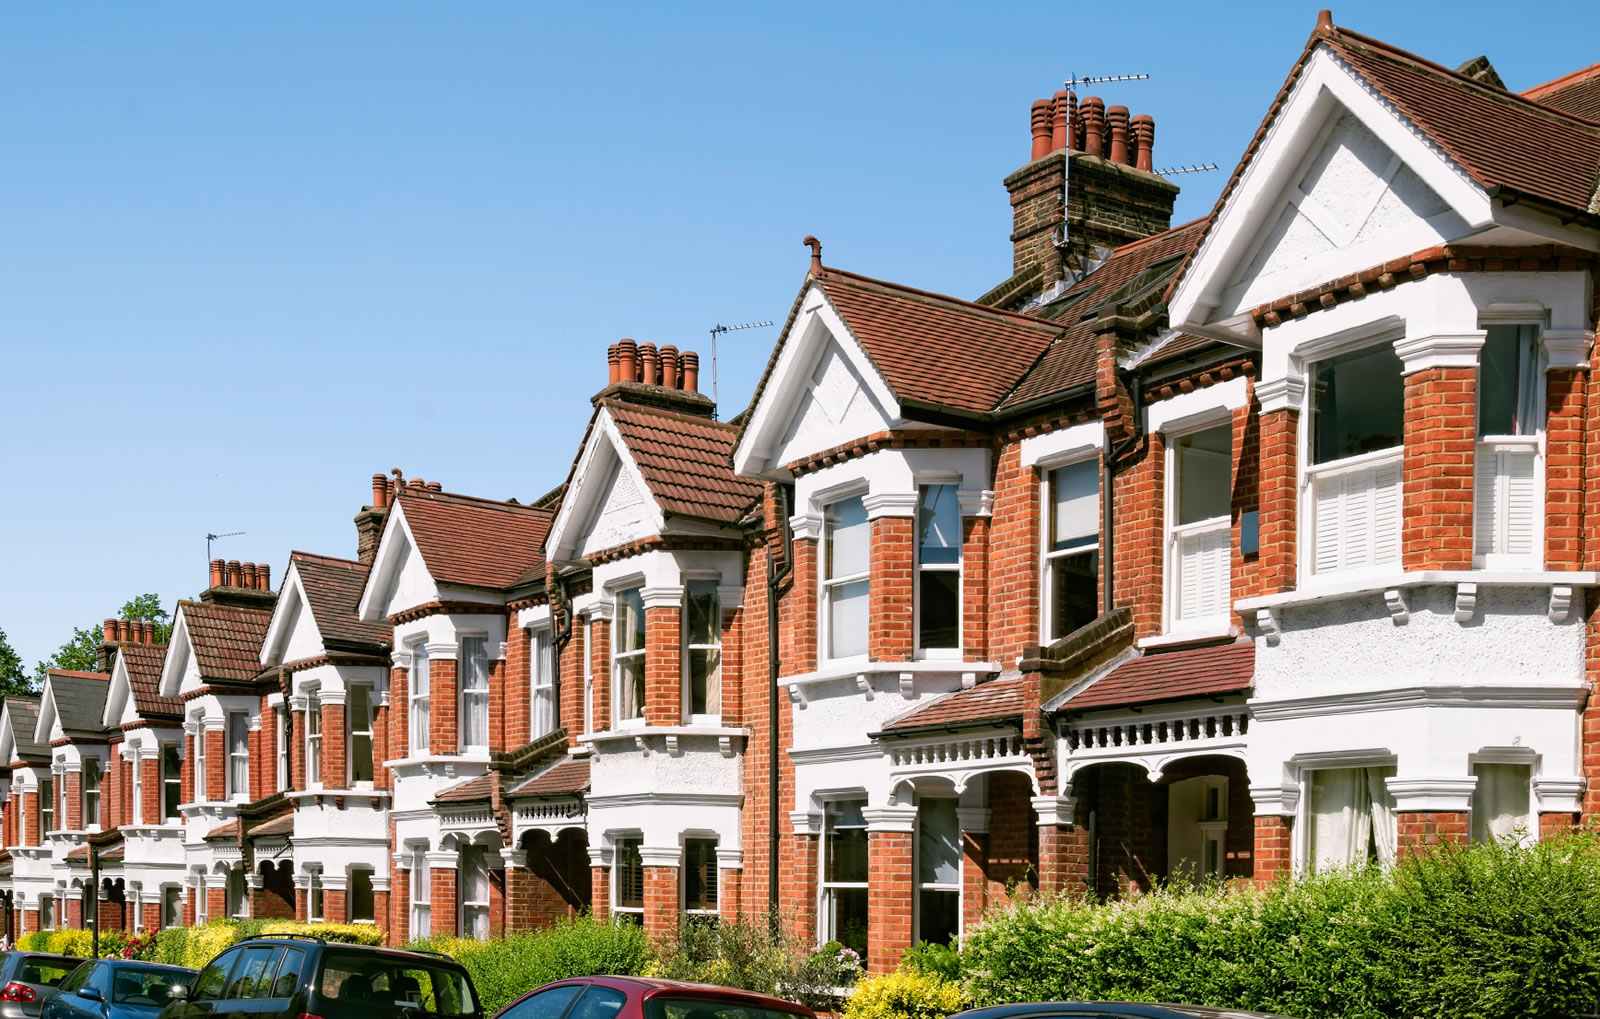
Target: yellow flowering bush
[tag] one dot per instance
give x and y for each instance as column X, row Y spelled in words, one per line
column 903, row 994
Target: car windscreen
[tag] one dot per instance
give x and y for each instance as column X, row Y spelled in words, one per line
column 370, row 981
column 146, row 985
column 45, row 970
column 663, row 1007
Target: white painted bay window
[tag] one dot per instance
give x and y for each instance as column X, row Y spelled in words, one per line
column 473, row 710
column 238, row 755
column 358, row 727
column 938, row 570
column 702, row 649
column 285, row 734
column 313, row 738
column 844, row 875
column 1199, row 526
column 200, row 760
column 938, row 871
column 846, row 578
column 1351, row 818
column 47, row 808
column 542, row 698
column 236, row 901
column 362, row 903
column 1353, row 480
column 136, row 781
column 1502, row 802
column 418, row 697
column 171, row 781
column 1071, row 573
column 421, row 893
column 91, row 792
column 627, row 655
column 1505, row 499
column 314, row 898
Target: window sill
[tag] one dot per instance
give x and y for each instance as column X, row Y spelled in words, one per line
column 1200, row 632
column 850, row 668
column 671, row 736
column 1335, row 588
column 319, row 792
column 448, row 759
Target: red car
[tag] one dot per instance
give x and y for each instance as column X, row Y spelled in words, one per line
column 646, row 998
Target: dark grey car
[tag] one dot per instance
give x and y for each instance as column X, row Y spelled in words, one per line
column 28, row 978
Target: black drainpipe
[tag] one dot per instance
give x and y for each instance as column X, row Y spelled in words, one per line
column 1114, row 462
column 777, row 580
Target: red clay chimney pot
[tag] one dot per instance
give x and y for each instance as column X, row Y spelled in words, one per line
column 1062, row 117
column 235, row 573
column 435, row 486
column 380, row 491
column 110, row 628
column 1093, row 111
column 1039, row 122
column 250, row 575
column 651, row 376
column 669, row 366
column 216, row 573
column 627, row 361
column 125, row 631
column 614, row 363
column 1324, row 21
column 1144, row 136
column 689, row 364
column 1117, row 117
column 264, row 576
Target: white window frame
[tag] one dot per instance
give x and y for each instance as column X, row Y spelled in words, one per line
column 958, row 568
column 175, row 917
column 136, row 785
column 200, row 789
column 200, row 904
column 419, row 690
column 543, row 711
column 314, row 775
column 1518, row 757
column 169, row 780
column 618, row 846
column 1300, row 832
column 826, row 910
column 1175, row 533
column 588, row 675
column 1510, row 445
column 707, row 717
column 827, row 586
column 1308, row 474
column 1047, row 555
column 238, row 773
column 617, row 657
column 47, row 912
column 46, row 796
column 918, row 886
column 683, row 878
column 464, row 741
column 240, row 908
column 421, row 893
column 369, row 692
column 285, row 733
column 91, row 793
column 316, row 901
column 471, row 912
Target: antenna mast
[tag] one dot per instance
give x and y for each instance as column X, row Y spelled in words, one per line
column 1072, row 84
column 213, row 537
column 716, row 329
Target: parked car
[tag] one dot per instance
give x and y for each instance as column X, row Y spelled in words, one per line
column 1106, row 1010
column 646, row 998
column 301, row 976
column 27, row 978
column 116, row 989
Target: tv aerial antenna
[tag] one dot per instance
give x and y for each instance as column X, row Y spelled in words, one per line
column 1072, row 84
column 715, row 330
column 213, row 537
column 1173, row 171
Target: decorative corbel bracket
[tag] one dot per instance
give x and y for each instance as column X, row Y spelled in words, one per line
column 969, row 680
column 797, row 694
column 672, row 746
column 864, row 684
column 908, row 685
column 725, row 746
column 1395, row 599
column 1560, row 602
column 1466, row 602
column 644, row 748
column 1269, row 626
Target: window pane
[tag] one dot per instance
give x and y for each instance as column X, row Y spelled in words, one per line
column 848, row 539
column 938, row 843
column 938, row 525
column 1507, row 381
column 1500, row 800
column 848, row 919
column 705, row 682
column 630, row 621
column 598, row 1003
column 705, row 617
column 1074, row 593
column 939, row 609
column 1204, row 465
column 360, row 735
column 938, row 915
column 847, row 843
column 630, row 687
column 699, row 874
column 544, row 1005
column 1075, row 505
column 289, row 970
column 1359, row 403
column 419, row 669
column 361, row 905
column 847, row 619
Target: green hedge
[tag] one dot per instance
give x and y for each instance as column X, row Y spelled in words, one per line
column 503, row 969
column 1486, row 932
column 189, row 946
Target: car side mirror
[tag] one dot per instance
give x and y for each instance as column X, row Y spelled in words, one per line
column 179, row 992
column 91, row 993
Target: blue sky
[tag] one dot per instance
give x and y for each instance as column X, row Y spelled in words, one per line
column 252, row 253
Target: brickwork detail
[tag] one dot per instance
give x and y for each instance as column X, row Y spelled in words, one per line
column 1420, row 830
column 1440, row 425
column 889, row 898
column 891, row 632
column 1273, row 849
column 660, row 900
column 663, row 666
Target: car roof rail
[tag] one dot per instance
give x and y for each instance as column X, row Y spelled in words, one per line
column 319, row 939
column 429, row 951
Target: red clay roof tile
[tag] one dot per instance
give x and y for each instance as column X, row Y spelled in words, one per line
column 226, row 639
column 144, row 662
column 566, row 777
column 1171, row 676
column 470, row 791
column 475, row 542
column 994, row 701
column 1577, row 93
column 333, row 589
column 686, row 461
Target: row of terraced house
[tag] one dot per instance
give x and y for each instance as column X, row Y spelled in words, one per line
column 1252, row 546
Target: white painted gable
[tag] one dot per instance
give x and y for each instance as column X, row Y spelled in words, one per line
column 48, row 729
column 180, row 672
column 120, row 706
column 399, row 579
column 292, row 635
column 1341, row 182
column 609, row 503
column 822, row 392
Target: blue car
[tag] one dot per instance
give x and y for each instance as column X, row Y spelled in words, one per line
column 116, row 989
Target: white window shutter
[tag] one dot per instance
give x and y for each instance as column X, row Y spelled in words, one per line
column 1386, row 514
column 1204, row 571
column 1485, row 500
column 1521, row 507
column 1357, row 518
column 1329, row 509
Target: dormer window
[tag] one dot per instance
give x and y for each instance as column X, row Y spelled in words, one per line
column 846, row 568
column 1353, row 481
column 1071, row 548
column 627, row 655
column 1505, row 498
column 938, row 569
column 702, row 621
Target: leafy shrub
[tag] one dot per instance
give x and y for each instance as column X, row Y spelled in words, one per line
column 504, row 969
column 196, row 946
column 903, row 994
column 933, row 959
column 1481, row 932
column 752, row 954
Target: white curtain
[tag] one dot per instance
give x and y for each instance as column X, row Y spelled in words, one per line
column 1352, row 815
column 474, row 693
column 1382, row 817
column 1500, row 801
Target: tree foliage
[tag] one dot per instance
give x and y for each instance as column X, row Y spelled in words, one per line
column 13, row 680
column 80, row 653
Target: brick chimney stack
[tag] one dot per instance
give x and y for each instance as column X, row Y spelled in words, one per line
column 663, row 377
column 118, row 633
column 369, row 522
column 246, row 585
column 1115, row 197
